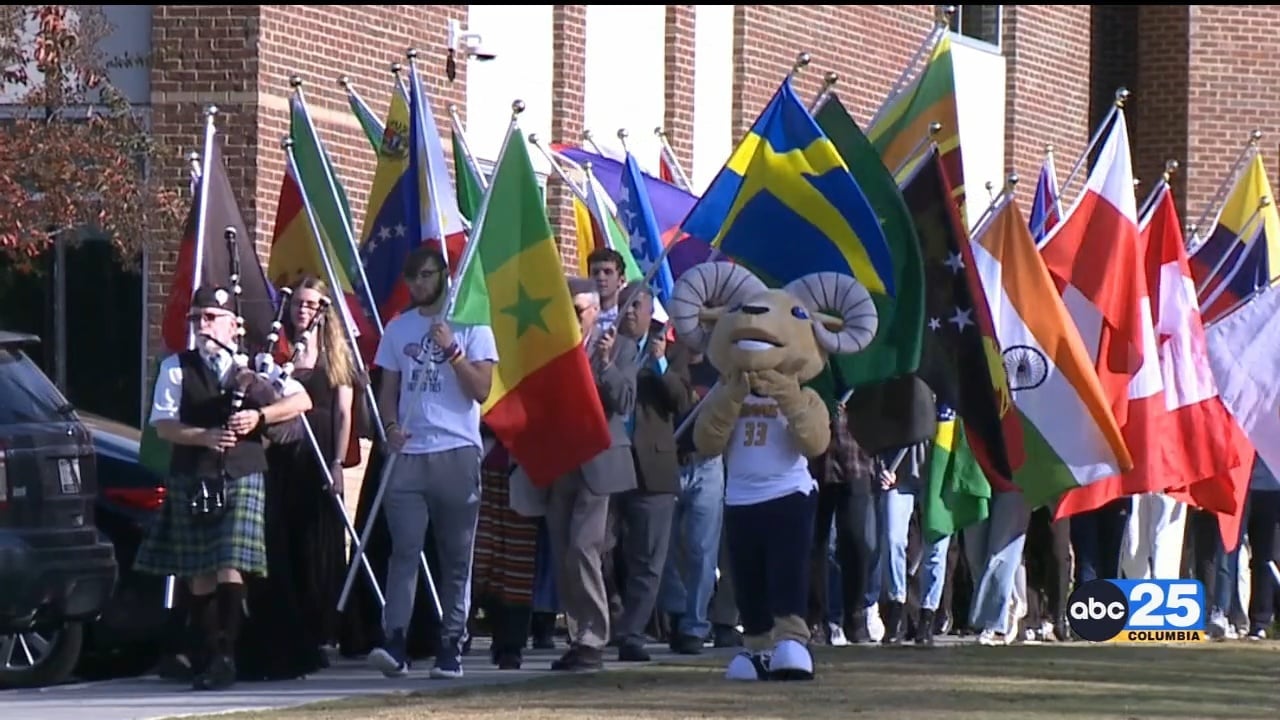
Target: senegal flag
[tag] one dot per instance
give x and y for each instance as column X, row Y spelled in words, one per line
column 544, row 406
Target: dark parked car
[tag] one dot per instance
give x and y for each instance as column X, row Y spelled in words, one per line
column 57, row 571
column 128, row 637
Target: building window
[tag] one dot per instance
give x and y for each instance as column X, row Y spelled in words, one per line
column 977, row 22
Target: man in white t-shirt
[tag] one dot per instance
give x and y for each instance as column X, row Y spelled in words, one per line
column 435, row 376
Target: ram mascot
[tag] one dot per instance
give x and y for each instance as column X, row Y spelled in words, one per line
column 766, row 343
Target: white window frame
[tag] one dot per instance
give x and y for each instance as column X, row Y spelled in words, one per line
column 957, row 21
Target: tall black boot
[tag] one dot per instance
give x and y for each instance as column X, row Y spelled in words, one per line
column 893, row 624
column 924, row 628
column 228, row 611
column 516, row 620
column 543, row 630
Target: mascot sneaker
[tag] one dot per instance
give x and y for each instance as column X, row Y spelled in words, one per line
column 790, row 661
column 746, row 666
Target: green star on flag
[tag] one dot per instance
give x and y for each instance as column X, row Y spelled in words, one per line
column 527, row 311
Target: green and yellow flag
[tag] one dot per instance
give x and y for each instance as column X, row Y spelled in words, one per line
column 958, row 494
column 544, row 406
column 902, row 129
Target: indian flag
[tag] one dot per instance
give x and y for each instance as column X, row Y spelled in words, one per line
column 1070, row 435
column 543, row 406
column 902, row 127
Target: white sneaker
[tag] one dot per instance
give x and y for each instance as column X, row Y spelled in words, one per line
column 837, row 635
column 875, row 625
column 748, row 667
column 990, row 638
column 790, row 660
column 1217, row 626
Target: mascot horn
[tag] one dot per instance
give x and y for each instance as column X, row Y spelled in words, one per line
column 765, row 343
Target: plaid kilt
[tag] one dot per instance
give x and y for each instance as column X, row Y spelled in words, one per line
column 182, row 545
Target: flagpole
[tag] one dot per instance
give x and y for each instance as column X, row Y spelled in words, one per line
column 424, row 160
column 482, row 213
column 1170, row 167
column 1263, row 202
column 335, row 290
column 1117, row 105
column 295, row 82
column 998, row 202
column 1232, row 175
column 670, row 154
column 586, row 138
column 466, row 147
column 197, row 268
column 935, row 127
column 820, row 100
column 942, row 18
column 354, row 99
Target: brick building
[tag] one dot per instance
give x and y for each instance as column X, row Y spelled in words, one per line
column 1026, row 76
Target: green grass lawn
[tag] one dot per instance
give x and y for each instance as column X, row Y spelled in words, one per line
column 1033, row 682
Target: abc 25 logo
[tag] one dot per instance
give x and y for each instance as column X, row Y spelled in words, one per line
column 1160, row 611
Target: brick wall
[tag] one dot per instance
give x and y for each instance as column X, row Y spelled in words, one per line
column 679, row 73
column 241, row 58
column 202, row 55
column 866, row 45
column 1047, row 89
column 1158, row 50
column 568, row 105
column 1232, row 81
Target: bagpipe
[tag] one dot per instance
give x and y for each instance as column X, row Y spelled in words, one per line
column 263, row 383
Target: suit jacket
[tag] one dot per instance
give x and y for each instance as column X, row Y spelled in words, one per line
column 660, row 399
column 613, row 470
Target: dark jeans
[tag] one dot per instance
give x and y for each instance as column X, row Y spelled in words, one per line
column 1264, row 513
column 1048, row 561
column 1096, row 537
column 769, row 545
column 855, row 524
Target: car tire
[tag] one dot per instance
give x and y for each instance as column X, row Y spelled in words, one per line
column 52, row 668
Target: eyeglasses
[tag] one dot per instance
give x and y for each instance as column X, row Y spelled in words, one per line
column 209, row 317
column 426, row 274
column 309, row 305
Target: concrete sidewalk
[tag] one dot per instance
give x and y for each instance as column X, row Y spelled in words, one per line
column 150, row 698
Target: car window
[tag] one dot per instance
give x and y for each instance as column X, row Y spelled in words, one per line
column 26, row 393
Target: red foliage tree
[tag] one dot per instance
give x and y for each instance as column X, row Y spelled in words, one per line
column 73, row 152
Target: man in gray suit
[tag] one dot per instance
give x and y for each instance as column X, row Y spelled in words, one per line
column 578, row 506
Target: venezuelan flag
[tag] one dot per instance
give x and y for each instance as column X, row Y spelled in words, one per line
column 1243, row 251
column 903, row 126
column 785, row 204
column 544, row 406
column 390, row 222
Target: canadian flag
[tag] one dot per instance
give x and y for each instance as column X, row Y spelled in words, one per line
column 1197, row 443
column 1096, row 257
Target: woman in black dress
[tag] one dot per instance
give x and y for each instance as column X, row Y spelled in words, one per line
column 293, row 611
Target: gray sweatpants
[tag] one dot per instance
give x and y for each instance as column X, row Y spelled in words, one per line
column 441, row 491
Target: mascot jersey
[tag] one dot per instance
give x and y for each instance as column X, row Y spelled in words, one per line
column 762, row 462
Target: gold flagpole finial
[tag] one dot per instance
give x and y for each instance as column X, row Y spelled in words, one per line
column 1170, row 167
column 802, row 61
column 1122, row 96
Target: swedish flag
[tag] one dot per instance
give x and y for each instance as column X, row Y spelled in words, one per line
column 785, row 204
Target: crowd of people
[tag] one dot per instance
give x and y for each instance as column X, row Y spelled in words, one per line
column 628, row 550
